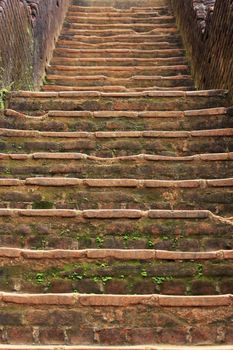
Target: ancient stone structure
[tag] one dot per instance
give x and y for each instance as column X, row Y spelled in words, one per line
column 207, row 35
column 29, row 30
column 116, row 187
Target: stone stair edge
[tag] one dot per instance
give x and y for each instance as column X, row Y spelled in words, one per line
column 156, row 300
column 118, row 254
column 122, row 114
column 174, row 93
column 137, row 347
column 116, row 134
column 119, row 347
column 139, row 157
column 123, row 182
column 112, row 213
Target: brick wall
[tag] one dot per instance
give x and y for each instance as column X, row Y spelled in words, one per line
column 28, row 29
column 207, row 31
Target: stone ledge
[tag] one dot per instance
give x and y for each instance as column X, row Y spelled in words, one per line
column 118, row 254
column 116, row 300
column 125, row 183
column 138, row 157
column 200, row 93
column 110, row 213
column 226, row 132
column 119, row 347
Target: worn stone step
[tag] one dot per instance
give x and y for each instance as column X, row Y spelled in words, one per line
column 130, row 82
column 122, row 39
column 118, row 61
column 141, row 320
column 106, row 33
column 118, row 143
column 107, row 25
column 140, row 166
column 60, row 84
column 172, row 230
column 120, row 45
column 73, row 193
column 115, row 271
column 97, row 101
column 136, row 347
column 117, row 71
column 74, row 18
column 113, row 88
column 121, row 120
column 114, row 53
column 113, row 12
column 118, row 28
column 133, row 11
column 120, row 5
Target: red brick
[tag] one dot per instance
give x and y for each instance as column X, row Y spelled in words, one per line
column 81, row 335
column 111, row 336
column 17, row 335
column 52, row 336
column 203, row 335
column 142, row 336
column 173, row 336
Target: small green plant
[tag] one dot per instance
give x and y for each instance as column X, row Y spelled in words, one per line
column 40, row 278
column 199, row 270
column 64, row 232
column 165, row 238
column 74, row 276
column 161, row 279
column 3, row 93
column 103, row 279
column 103, row 265
column 144, row 273
column 126, row 237
column 106, row 279
column 150, row 244
column 99, row 241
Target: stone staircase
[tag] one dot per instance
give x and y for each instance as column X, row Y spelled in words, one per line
column 116, row 193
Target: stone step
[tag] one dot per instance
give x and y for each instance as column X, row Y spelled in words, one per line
column 114, row 53
column 118, row 61
column 122, row 39
column 82, row 18
column 148, row 319
column 96, row 347
column 118, row 29
column 122, row 120
column 133, row 11
column 120, row 143
column 82, row 83
column 119, row 5
column 172, row 230
column 125, row 101
column 119, row 45
column 115, row 271
column 104, row 28
column 73, row 193
column 106, row 33
column 117, row 71
column 140, row 166
column 112, row 88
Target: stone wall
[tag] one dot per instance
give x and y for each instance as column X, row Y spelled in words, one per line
column 207, row 31
column 28, row 30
